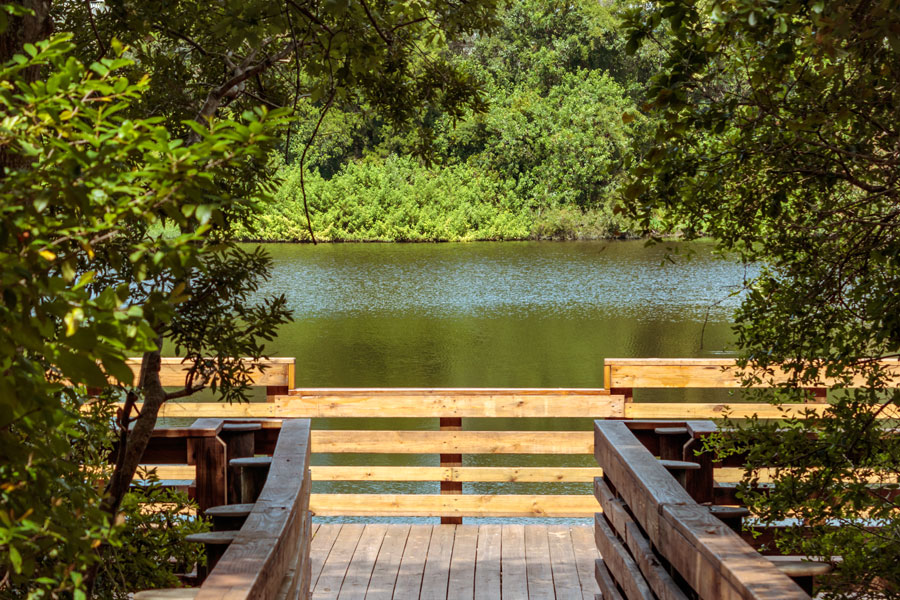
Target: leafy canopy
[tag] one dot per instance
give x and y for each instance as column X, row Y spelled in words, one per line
column 780, row 137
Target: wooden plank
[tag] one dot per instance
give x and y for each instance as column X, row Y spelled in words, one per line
column 715, row 561
column 451, row 488
column 449, row 442
column 256, row 562
column 173, row 371
column 659, row 580
column 737, row 410
column 514, row 581
column 437, row 563
column 319, row 549
column 608, row 590
column 711, row 557
column 384, row 574
column 537, row 562
column 625, row 571
column 335, row 568
column 209, row 454
column 704, row 373
column 356, row 582
column 615, row 514
column 447, row 403
column 585, row 555
column 639, row 479
column 412, row 563
column 481, row 474
column 183, row 472
column 461, row 584
column 487, row 562
column 562, row 563
column 467, row 505
column 631, row 410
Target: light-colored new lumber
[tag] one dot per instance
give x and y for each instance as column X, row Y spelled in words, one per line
column 275, row 372
column 453, row 442
column 703, row 373
column 401, row 403
column 468, row 474
column 737, row 410
column 466, row 505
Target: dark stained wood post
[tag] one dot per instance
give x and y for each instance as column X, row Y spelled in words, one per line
column 700, row 483
column 207, row 451
column 212, row 473
column 240, row 442
column 451, row 488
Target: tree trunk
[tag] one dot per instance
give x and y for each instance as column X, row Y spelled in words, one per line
column 135, row 442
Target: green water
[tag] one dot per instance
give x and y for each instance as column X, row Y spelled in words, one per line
column 530, row 314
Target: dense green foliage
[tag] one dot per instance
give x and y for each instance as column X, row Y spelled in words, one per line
column 780, row 138
column 84, row 287
column 546, row 156
column 98, row 154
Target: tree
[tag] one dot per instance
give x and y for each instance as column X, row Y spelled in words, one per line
column 780, row 139
column 86, row 282
column 97, row 164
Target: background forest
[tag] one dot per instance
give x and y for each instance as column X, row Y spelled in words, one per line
column 542, row 161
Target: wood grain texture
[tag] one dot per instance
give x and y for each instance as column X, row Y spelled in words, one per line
column 400, row 403
column 709, row 556
column 481, row 474
column 487, row 562
column 275, row 371
column 461, row 584
column 256, row 562
column 449, row 442
column 537, row 562
column 412, row 563
column 387, row 566
column 703, row 373
column 467, row 505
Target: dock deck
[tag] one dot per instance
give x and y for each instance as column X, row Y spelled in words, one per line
column 431, row 562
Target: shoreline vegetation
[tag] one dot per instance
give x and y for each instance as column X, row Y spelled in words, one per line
column 542, row 154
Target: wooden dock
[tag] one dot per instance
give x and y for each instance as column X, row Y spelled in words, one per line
column 443, row 562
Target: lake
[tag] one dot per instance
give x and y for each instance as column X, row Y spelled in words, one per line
column 511, row 314
column 516, row 314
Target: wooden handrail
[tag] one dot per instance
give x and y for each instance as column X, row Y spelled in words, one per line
column 630, row 373
column 270, row 553
column 711, row 558
column 275, row 374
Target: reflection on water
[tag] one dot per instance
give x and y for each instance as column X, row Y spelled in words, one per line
column 526, row 314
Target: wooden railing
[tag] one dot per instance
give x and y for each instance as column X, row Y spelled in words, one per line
column 657, row 541
column 259, row 546
column 275, row 374
column 449, row 406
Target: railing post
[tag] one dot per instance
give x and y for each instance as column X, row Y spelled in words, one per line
column 208, row 454
column 240, row 442
column 451, row 488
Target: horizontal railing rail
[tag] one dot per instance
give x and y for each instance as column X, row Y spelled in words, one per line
column 451, row 442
